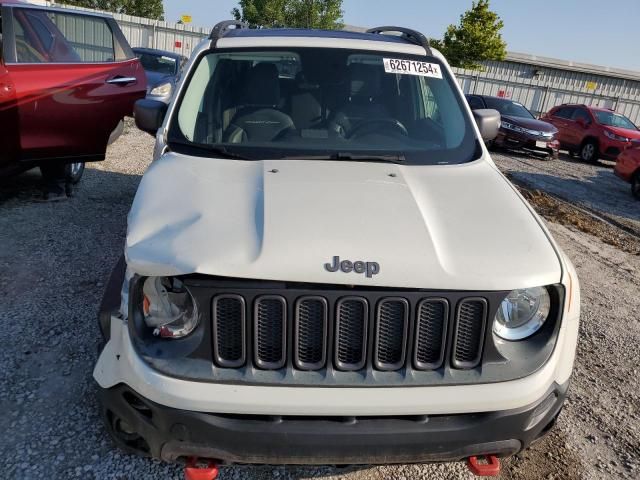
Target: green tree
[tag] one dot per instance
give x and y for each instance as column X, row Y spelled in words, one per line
column 140, row 8
column 476, row 39
column 325, row 14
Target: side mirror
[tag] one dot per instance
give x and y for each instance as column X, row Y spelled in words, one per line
column 488, row 121
column 149, row 115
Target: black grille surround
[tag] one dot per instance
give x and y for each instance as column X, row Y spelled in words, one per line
column 316, row 336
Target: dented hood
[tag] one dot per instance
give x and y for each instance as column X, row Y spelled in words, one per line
column 436, row 227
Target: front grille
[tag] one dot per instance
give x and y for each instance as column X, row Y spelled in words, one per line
column 333, row 335
column 431, row 331
column 311, row 333
column 229, row 328
column 470, row 326
column 270, row 317
column 392, row 321
column 351, row 333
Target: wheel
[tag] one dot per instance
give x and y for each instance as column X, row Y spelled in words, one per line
column 74, row 171
column 635, row 185
column 589, row 151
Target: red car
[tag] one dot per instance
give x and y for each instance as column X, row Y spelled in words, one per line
column 628, row 169
column 67, row 80
column 592, row 132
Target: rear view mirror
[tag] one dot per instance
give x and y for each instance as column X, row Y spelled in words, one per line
column 488, row 123
column 149, row 115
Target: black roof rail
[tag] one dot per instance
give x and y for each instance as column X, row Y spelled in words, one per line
column 408, row 34
column 222, row 28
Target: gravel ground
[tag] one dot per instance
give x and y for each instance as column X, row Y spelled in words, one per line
column 592, row 186
column 55, row 258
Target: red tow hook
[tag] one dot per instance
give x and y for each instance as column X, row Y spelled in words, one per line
column 197, row 469
column 489, row 469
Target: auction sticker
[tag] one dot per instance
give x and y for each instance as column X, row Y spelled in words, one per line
column 412, row 67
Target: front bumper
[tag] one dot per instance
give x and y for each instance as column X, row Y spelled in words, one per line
column 515, row 140
column 147, row 428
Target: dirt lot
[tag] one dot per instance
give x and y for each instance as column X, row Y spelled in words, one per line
column 54, row 260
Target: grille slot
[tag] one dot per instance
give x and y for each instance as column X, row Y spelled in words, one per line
column 392, row 321
column 469, row 333
column 431, row 334
column 311, row 326
column 229, row 331
column 352, row 317
column 270, row 316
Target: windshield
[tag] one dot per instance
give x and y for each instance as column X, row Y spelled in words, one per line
column 323, row 103
column 158, row 63
column 508, row 107
column 612, row 119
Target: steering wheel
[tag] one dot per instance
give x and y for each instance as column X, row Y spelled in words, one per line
column 378, row 125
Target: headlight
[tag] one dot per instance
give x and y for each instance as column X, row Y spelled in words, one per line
column 168, row 307
column 613, row 136
column 511, row 126
column 162, row 90
column 522, row 313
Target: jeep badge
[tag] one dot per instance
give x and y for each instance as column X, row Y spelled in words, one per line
column 346, row 266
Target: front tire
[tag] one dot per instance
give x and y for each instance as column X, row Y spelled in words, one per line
column 74, row 171
column 589, row 151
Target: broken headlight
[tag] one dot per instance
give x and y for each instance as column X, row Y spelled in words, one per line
column 168, row 307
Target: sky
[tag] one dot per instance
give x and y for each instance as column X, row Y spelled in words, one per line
column 586, row 31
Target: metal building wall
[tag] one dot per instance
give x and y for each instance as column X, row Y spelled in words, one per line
column 538, row 87
column 144, row 32
column 541, row 88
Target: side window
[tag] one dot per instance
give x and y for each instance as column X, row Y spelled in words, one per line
column 475, row 103
column 565, row 112
column 53, row 37
column 581, row 113
column 431, row 110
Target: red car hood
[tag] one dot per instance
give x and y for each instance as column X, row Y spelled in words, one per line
column 625, row 132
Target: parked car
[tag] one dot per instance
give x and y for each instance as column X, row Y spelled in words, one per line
column 592, row 132
column 63, row 93
column 519, row 128
column 163, row 71
column 324, row 266
column 628, row 169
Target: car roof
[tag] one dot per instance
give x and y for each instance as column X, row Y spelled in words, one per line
column 313, row 33
column 155, row 51
column 588, row 107
column 493, row 97
column 385, row 39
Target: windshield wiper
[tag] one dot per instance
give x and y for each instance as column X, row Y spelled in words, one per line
column 351, row 157
column 223, row 152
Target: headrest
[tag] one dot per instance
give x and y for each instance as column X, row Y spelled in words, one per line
column 366, row 80
column 263, row 86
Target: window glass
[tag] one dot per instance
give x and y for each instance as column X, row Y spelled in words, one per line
column 612, row 119
column 475, row 103
column 158, row 63
column 52, row 37
column 508, row 107
column 329, row 103
column 564, row 112
column 581, row 113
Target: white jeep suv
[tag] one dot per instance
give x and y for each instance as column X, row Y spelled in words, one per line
column 324, row 266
